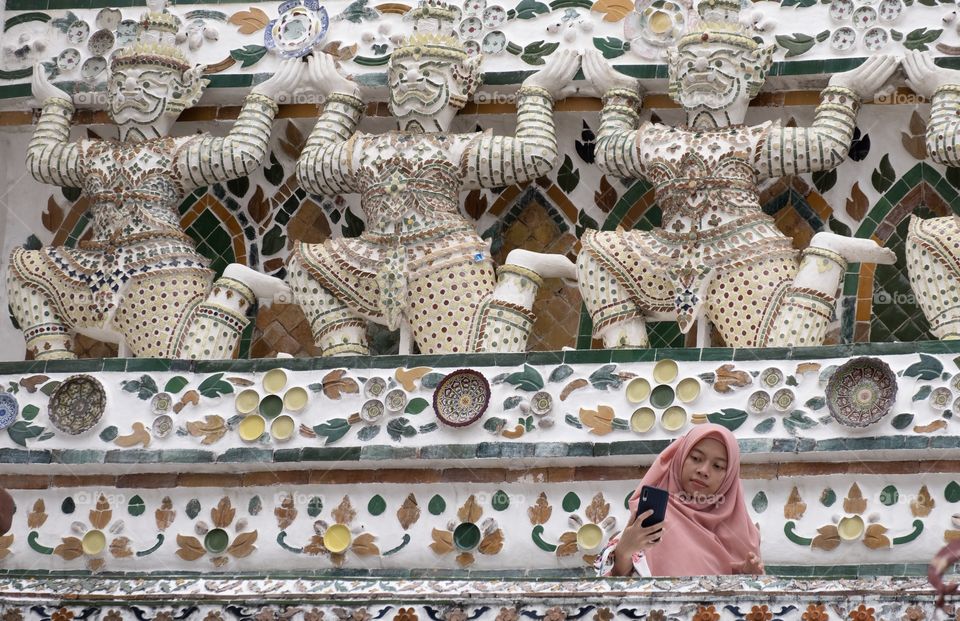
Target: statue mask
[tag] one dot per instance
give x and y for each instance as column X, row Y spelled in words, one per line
column 421, row 88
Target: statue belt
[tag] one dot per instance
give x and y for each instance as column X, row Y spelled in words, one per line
column 122, row 241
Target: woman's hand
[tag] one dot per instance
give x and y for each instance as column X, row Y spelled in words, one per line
column 634, row 539
column 753, row 566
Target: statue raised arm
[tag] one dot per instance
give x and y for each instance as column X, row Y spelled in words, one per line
column 718, row 256
column 420, row 265
column 140, row 281
column 933, row 258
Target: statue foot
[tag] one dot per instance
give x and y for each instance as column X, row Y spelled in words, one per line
column 267, row 289
column 854, row 249
column 545, row 265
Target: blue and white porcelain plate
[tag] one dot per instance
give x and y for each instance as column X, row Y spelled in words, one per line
column 9, row 408
column 301, row 26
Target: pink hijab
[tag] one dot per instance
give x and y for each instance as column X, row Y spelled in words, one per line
column 700, row 539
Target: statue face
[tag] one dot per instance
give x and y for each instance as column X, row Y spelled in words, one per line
column 710, row 76
column 141, row 95
column 420, row 90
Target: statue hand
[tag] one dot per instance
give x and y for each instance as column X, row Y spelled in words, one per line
column 43, row 89
column 869, row 77
column 326, row 78
column 603, row 77
column 557, row 75
column 924, row 77
column 281, row 85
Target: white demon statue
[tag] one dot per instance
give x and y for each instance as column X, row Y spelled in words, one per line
column 420, row 265
column 140, row 281
column 717, row 256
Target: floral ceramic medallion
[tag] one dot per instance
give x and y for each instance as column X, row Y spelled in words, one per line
column 77, row 404
column 9, row 408
column 461, row 398
column 302, row 25
column 861, row 392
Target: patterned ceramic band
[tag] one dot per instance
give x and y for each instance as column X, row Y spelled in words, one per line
column 538, row 91
column 953, row 89
column 59, row 102
column 350, row 99
column 260, row 98
column 522, row 272
column 826, row 254
column 631, row 95
column 839, row 91
column 239, row 287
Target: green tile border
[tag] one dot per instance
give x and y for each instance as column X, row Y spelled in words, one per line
column 549, row 358
column 814, row 572
column 481, row 454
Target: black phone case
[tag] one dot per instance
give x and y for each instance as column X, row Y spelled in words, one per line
column 656, row 499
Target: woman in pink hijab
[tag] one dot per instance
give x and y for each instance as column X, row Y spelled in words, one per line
column 706, row 531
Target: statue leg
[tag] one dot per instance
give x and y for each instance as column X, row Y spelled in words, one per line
column 155, row 310
column 773, row 303
column 748, row 304
column 506, row 317
column 337, row 330
column 933, row 264
column 448, row 303
column 46, row 335
column 617, row 319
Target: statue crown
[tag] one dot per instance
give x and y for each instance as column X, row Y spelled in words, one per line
column 155, row 45
column 719, row 23
column 434, row 33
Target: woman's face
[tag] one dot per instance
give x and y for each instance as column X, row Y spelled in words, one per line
column 704, row 468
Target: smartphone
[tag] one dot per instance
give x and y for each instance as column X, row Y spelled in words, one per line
column 653, row 498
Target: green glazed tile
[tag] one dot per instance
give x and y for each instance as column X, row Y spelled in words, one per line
column 185, row 366
column 831, row 444
column 516, row 450
column 916, row 442
column 580, row 449
column 186, row 456
column 449, row 451
column 587, row 356
column 24, row 456
column 601, row 449
column 155, row 365
column 331, row 453
column 26, row 5
column 550, row 449
column 25, row 367
column 287, row 455
column 621, row 356
column 245, row 455
column 223, row 366
column 545, row 357
column 115, row 365
column 132, row 456
column 85, row 456
column 716, row 354
column 488, row 449
column 680, row 355
column 74, row 366
column 784, row 445
column 379, row 452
